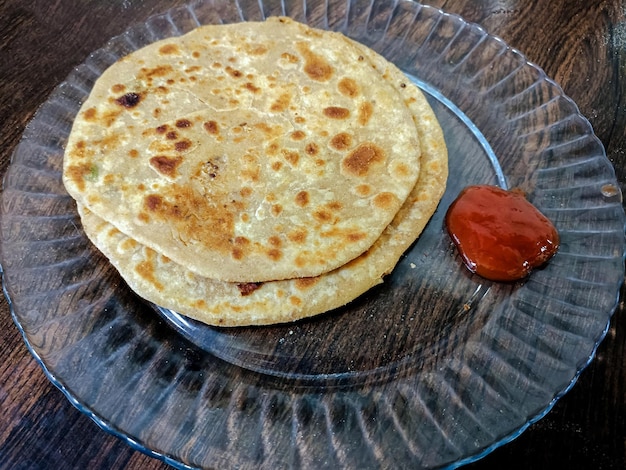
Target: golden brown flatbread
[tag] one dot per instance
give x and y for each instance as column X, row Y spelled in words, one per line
column 170, row 285
column 248, row 152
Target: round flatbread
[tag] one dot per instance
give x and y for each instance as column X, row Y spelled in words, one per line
column 246, row 152
column 170, row 285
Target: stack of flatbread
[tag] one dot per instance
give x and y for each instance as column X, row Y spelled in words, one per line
column 254, row 173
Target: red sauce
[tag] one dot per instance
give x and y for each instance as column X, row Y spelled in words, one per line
column 499, row 234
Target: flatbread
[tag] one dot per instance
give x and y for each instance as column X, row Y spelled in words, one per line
column 248, row 152
column 170, row 285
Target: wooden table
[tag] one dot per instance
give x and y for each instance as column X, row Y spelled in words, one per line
column 582, row 45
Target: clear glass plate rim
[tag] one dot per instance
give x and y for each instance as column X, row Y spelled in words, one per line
column 103, row 423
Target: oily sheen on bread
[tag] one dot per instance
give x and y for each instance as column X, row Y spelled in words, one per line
column 247, row 152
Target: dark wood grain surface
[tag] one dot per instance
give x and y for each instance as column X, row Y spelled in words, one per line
column 581, row 45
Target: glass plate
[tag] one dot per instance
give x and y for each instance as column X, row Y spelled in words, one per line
column 434, row 368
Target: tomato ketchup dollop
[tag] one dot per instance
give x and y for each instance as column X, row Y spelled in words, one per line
column 499, row 234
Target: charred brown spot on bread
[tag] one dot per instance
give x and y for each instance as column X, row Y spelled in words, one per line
column 129, row 100
column 129, row 244
column 237, row 253
column 365, row 113
column 78, row 173
column 334, row 205
column 302, row 198
column 336, row 112
column 273, row 148
column 162, row 129
column 306, row 282
column 167, row 166
column 211, row 127
column 169, row 49
column 348, row 87
column 297, row 236
column 110, row 116
column 312, row 149
column 268, row 130
column 183, row 123
column 290, row 58
column 90, row 114
column 194, row 217
column 363, row 190
column 323, row 215
column 276, row 210
column 275, row 241
column 348, row 234
column 159, row 71
column 341, row 141
column 233, row 72
column 402, row 170
column 361, row 160
column 241, row 241
column 110, row 141
column 251, row 87
column 80, row 150
column 355, row 236
column 118, row 88
column 315, row 66
column 171, row 135
column 153, row 202
column 298, row 135
column 248, row 288
column 256, row 49
column 182, row 145
column 282, row 103
column 274, row 254
column 147, row 269
column 384, row 200
column 291, row 156
column 300, row 261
